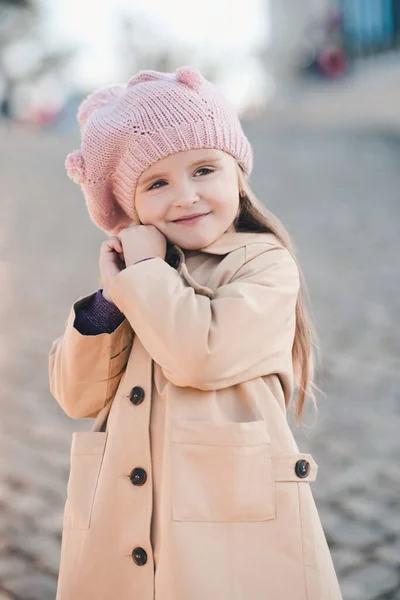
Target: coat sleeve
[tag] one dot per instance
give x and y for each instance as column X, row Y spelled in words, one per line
column 244, row 331
column 85, row 370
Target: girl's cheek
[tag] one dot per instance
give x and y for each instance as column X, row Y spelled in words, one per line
column 158, row 216
column 163, row 210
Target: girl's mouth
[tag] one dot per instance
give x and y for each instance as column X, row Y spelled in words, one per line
column 192, row 220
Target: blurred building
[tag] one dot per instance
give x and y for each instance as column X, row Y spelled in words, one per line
column 326, row 36
column 371, row 26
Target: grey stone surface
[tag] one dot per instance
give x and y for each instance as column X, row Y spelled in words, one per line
column 12, row 567
column 346, row 560
column 44, row 550
column 389, row 553
column 356, row 535
column 369, row 583
column 33, row 586
column 337, row 192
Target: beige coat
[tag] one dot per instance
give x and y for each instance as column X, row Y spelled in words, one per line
column 194, row 489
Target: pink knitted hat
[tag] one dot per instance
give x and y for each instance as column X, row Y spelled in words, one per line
column 127, row 128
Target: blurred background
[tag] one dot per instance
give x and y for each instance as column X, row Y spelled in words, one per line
column 317, row 85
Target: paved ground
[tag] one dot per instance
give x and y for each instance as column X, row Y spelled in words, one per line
column 337, row 193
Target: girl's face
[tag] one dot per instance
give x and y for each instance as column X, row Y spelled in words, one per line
column 201, row 181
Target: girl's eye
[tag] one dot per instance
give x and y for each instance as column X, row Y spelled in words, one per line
column 205, row 169
column 155, row 183
column 152, row 187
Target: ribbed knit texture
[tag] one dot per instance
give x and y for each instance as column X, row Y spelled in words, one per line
column 98, row 316
column 126, row 129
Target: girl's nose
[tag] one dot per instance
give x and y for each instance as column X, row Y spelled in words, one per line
column 186, row 195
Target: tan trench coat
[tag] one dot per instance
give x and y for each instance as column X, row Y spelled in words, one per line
column 193, row 488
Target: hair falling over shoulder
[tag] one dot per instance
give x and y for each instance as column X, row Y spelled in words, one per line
column 253, row 216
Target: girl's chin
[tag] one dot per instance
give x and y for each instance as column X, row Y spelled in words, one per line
column 195, row 242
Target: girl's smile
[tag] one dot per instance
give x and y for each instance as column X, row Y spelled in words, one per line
column 191, row 220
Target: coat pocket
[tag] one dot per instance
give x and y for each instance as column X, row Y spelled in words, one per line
column 221, row 471
column 87, row 451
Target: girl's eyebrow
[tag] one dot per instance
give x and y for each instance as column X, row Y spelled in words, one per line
column 198, row 162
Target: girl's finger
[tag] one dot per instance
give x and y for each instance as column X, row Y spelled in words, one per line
column 113, row 243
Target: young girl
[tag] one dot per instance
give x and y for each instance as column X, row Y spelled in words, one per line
column 190, row 485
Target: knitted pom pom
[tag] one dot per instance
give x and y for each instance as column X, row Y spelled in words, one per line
column 97, row 99
column 75, row 165
column 190, row 76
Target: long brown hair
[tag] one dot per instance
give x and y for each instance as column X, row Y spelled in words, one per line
column 253, row 216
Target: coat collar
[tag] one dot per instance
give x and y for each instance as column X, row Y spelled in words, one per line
column 226, row 243
column 237, row 239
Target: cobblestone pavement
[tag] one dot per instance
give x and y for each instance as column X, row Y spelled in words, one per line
column 337, row 193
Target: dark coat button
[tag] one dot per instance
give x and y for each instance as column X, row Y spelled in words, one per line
column 302, row 468
column 138, row 476
column 137, row 395
column 139, row 556
column 173, row 260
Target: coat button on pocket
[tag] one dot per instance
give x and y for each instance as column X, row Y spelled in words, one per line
column 302, row 468
column 137, row 395
column 139, row 556
column 138, row 476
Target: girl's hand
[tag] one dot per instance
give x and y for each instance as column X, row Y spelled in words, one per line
column 111, row 262
column 142, row 241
